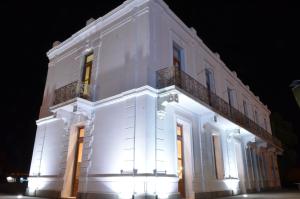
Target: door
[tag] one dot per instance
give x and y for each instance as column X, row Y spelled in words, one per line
column 180, row 160
column 77, row 161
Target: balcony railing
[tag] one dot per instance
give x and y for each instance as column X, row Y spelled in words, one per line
column 173, row 76
column 71, row 91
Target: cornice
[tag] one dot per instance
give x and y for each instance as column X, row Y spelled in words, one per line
column 193, row 34
column 129, row 6
column 95, row 26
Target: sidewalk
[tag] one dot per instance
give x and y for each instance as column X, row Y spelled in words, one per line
column 4, row 196
column 268, row 195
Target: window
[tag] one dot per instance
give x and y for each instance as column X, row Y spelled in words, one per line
column 210, row 83
column 255, row 116
column 265, row 123
column 230, row 93
column 86, row 75
column 245, row 108
column 177, row 56
column 217, row 152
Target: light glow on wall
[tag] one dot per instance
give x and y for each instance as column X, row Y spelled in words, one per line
column 126, row 187
column 35, row 184
column 232, row 184
column 123, row 186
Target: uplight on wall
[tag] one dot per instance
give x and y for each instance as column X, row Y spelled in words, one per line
column 232, row 184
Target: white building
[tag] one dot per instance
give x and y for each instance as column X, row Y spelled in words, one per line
column 136, row 105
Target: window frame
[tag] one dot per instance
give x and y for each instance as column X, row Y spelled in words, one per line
column 231, row 96
column 210, row 80
column 245, row 108
column 85, row 66
column 176, row 47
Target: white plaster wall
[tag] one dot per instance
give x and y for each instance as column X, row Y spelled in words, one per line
column 46, row 158
column 199, row 168
column 123, row 139
column 37, row 151
column 131, row 47
column 166, row 29
column 123, row 57
column 121, row 53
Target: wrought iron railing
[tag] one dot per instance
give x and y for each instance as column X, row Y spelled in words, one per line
column 173, row 76
column 71, row 91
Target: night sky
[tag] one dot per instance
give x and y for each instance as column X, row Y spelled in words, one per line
column 257, row 39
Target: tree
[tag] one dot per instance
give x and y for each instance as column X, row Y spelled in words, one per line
column 284, row 131
column 296, row 90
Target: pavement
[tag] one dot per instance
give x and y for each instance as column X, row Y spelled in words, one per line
column 4, row 196
column 268, row 195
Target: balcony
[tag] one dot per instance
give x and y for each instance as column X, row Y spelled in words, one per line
column 173, row 76
column 71, row 91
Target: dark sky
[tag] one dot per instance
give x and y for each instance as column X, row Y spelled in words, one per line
column 257, row 39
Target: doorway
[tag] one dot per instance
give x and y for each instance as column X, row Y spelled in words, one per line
column 180, row 160
column 77, row 161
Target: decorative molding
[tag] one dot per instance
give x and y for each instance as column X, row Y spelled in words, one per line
column 101, row 23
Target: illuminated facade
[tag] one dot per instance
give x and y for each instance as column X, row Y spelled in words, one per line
column 136, row 105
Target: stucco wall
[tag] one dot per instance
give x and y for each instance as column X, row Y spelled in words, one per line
column 168, row 29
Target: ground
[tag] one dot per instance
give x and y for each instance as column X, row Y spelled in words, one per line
column 271, row 195
column 3, row 196
column 274, row 195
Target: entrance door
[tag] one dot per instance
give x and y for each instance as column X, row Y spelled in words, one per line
column 77, row 160
column 180, row 160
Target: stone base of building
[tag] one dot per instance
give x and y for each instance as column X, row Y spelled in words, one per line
column 96, row 195
column 115, row 196
column 213, row 194
column 44, row 193
column 251, row 190
column 266, row 189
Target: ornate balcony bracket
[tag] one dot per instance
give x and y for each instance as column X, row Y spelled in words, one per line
column 162, row 101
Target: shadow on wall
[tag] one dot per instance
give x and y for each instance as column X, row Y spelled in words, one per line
column 120, row 78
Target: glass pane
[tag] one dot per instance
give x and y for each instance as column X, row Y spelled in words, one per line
column 87, row 73
column 176, row 62
column 179, row 130
column 90, row 58
column 180, row 169
column 176, row 53
column 81, row 132
column 85, row 88
column 179, row 150
column 176, row 57
column 80, row 147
